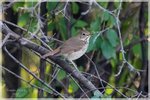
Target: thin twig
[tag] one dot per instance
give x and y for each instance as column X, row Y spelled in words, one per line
column 96, row 70
column 55, row 73
column 28, row 32
column 4, row 40
column 24, row 79
column 121, row 43
column 30, row 45
column 106, row 83
column 25, row 68
column 79, row 87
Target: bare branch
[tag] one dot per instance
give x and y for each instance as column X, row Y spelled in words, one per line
column 76, row 74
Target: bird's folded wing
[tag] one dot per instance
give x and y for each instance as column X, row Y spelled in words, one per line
column 75, row 46
column 51, row 53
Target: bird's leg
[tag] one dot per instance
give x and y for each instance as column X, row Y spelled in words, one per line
column 74, row 65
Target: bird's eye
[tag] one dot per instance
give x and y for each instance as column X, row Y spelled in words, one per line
column 83, row 33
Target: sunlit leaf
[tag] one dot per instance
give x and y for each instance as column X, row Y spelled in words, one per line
column 70, row 89
column 108, row 91
column 73, row 87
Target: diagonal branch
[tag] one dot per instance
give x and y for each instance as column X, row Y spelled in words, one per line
column 30, row 45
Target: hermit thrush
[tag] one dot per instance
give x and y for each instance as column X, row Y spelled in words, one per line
column 73, row 48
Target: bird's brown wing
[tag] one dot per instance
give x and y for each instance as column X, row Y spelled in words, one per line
column 51, row 53
column 76, row 44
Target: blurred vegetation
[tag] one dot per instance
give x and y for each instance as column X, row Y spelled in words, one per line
column 103, row 50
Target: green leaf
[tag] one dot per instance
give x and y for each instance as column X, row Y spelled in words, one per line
column 38, row 83
column 17, row 5
column 61, row 75
column 41, row 85
column 51, row 26
column 113, row 20
column 73, row 31
column 103, row 4
column 22, row 20
column 107, row 50
column 80, row 24
column 75, row 8
column 112, row 37
column 108, row 91
column 105, row 16
column 95, row 25
column 51, row 5
column 137, row 51
column 33, row 26
column 92, row 42
column 22, row 92
column 30, row 4
column 116, row 4
column 73, row 86
column 46, row 88
column 137, row 63
column 62, row 28
column 98, row 42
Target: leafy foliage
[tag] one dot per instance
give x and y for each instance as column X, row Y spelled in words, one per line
column 108, row 50
column 112, row 37
column 75, row 8
column 23, row 92
column 64, row 20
